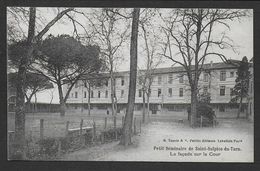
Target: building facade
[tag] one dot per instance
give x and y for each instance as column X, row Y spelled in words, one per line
column 170, row 91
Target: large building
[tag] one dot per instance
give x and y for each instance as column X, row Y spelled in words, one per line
column 170, row 91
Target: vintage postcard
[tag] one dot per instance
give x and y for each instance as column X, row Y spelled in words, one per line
column 130, row 84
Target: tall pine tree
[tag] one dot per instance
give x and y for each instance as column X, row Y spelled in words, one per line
column 240, row 90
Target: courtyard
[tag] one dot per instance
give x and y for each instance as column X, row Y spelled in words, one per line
column 159, row 140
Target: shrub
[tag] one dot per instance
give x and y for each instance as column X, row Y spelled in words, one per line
column 111, row 134
column 48, row 146
column 65, row 143
column 208, row 114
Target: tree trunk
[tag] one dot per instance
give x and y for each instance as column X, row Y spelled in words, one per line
column 62, row 108
column 148, row 105
column 240, row 107
column 35, row 104
column 143, row 107
column 62, row 101
column 247, row 108
column 19, row 145
column 82, row 100
column 193, row 115
column 115, row 104
column 127, row 128
column 50, row 102
column 112, row 95
column 89, row 89
column 28, row 107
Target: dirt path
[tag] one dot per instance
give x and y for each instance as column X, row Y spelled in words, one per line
column 157, row 137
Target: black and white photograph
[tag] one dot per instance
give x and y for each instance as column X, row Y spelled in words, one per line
column 130, row 84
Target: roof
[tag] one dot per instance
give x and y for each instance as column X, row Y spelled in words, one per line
column 105, row 75
column 209, row 66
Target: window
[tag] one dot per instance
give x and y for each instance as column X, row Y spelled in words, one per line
column 101, row 106
column 72, row 95
column 106, row 83
column 222, row 108
column 85, row 83
column 154, row 107
column 153, row 79
column 85, row 94
column 181, row 92
column 222, row 91
column 181, row 79
column 99, row 84
column 170, row 107
column 231, row 74
column 76, row 94
column 137, row 107
column 159, row 92
column 140, row 80
column 106, row 95
column 159, row 79
column 170, row 92
column 92, row 94
column 76, row 84
column 115, row 94
column 12, row 99
column 205, row 77
column 122, row 81
column 149, row 92
column 170, row 78
column 140, row 93
column 205, row 89
column 99, row 94
column 231, row 90
column 122, row 93
column 222, row 75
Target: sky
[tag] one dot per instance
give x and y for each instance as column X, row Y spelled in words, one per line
column 241, row 32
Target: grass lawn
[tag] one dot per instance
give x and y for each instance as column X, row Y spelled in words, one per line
column 54, row 125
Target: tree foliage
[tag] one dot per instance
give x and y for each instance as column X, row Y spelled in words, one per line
column 17, row 19
column 33, row 83
column 16, row 52
column 240, row 90
column 64, row 60
column 241, row 87
column 204, row 98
